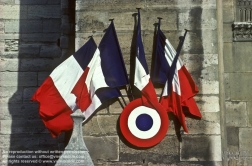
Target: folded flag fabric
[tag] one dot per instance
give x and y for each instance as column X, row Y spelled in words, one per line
column 168, row 69
column 141, row 76
column 85, row 80
column 56, row 102
column 110, row 73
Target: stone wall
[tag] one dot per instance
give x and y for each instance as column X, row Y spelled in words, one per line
column 35, row 36
column 237, row 67
column 202, row 146
column 31, row 38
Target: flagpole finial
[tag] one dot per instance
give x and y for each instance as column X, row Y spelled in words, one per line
column 112, row 19
column 138, row 9
column 159, row 22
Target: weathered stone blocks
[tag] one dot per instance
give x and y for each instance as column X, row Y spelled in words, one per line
column 30, row 2
column 116, row 107
column 245, row 141
column 228, row 11
column 207, row 103
column 28, row 50
column 236, row 114
column 228, row 35
column 42, row 76
column 197, row 18
column 249, row 109
column 39, row 37
column 241, row 59
column 1, row 27
column 27, row 94
column 239, row 85
column 22, row 126
column 64, row 42
column 166, row 152
column 92, row 21
column 13, row 12
column 101, row 125
column 37, row 64
column 233, row 136
column 18, row 78
column 108, row 5
column 10, row 94
column 201, row 148
column 15, row 26
column 9, row 65
column 6, row 2
column 52, row 25
column 102, row 148
column 27, row 111
column 50, row 51
column 202, row 126
column 11, row 45
column 43, row 11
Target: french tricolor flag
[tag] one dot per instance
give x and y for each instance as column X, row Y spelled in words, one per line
column 168, row 69
column 85, row 80
column 110, row 75
column 142, row 77
column 55, row 97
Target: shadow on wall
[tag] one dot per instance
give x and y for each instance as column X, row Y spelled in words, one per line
column 39, row 52
column 196, row 146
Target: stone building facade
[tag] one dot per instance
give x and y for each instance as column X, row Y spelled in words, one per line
column 35, row 36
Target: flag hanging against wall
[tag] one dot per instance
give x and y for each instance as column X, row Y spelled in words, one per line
column 111, row 73
column 168, row 69
column 56, row 102
column 143, row 122
column 85, row 80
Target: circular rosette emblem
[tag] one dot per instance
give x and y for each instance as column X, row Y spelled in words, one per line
column 143, row 126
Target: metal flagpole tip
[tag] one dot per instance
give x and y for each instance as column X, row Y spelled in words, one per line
column 138, row 8
column 160, row 18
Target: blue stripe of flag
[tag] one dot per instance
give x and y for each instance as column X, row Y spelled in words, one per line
column 107, row 93
column 84, row 55
column 160, row 65
column 140, row 49
column 112, row 62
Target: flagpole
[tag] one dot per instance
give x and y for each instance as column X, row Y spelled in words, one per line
column 121, row 96
column 159, row 23
column 181, row 42
column 174, row 62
